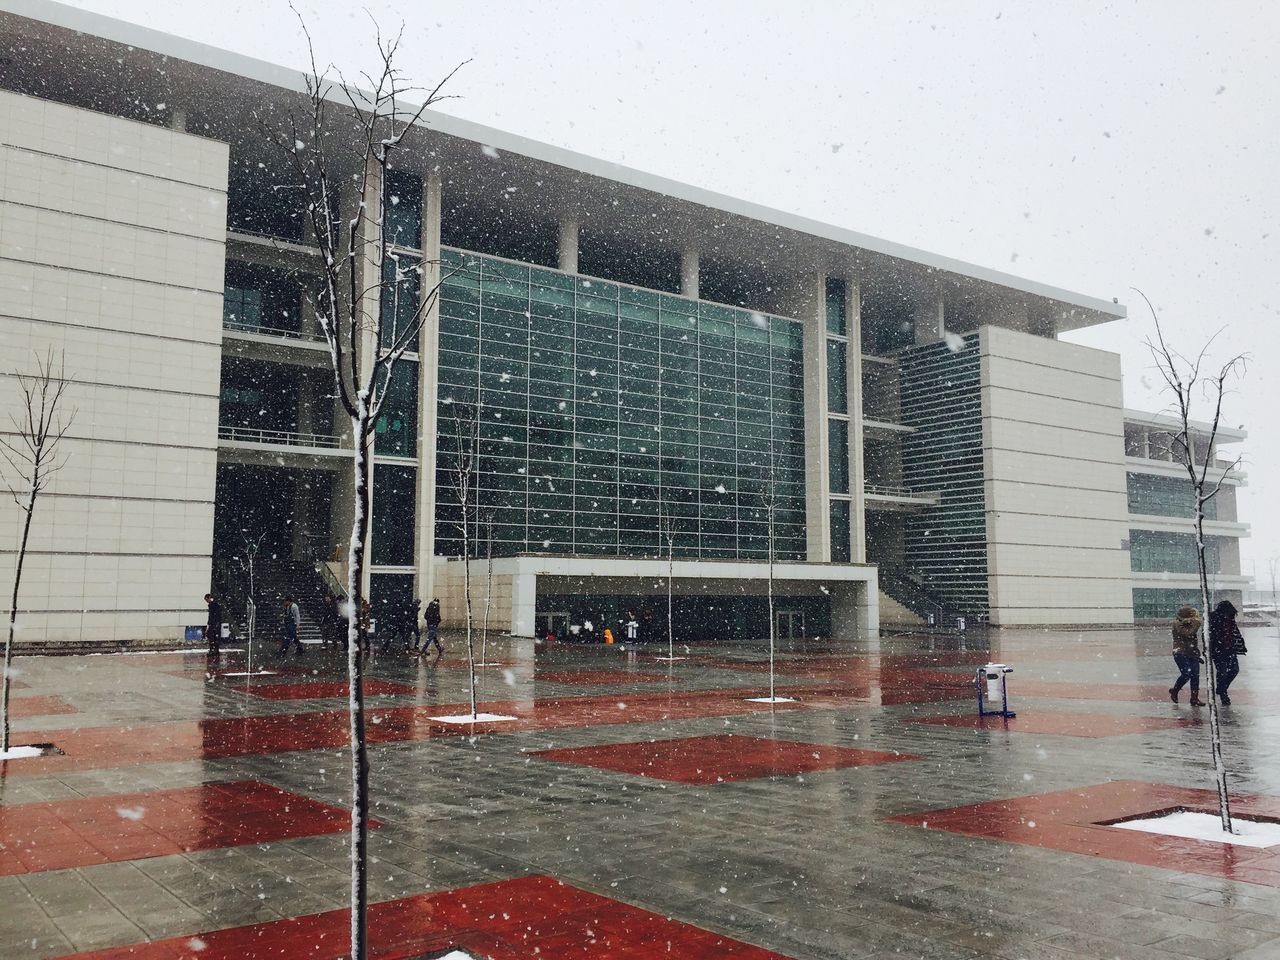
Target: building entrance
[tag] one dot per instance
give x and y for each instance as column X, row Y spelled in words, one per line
column 790, row 624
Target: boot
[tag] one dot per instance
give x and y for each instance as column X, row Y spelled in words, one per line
column 1173, row 694
column 1195, row 697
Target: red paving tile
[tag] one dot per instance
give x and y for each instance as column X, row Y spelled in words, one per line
column 326, row 689
column 1074, row 821
column 61, row 834
column 103, row 747
column 39, row 706
column 515, row 919
column 1065, row 724
column 599, row 677
column 718, row 759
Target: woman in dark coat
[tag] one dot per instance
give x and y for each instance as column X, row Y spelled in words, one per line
column 1225, row 646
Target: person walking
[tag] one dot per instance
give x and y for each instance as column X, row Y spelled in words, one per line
column 1186, row 654
column 292, row 621
column 432, row 620
column 413, row 635
column 1226, row 644
column 213, row 625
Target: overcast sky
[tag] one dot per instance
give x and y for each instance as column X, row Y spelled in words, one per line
column 1096, row 147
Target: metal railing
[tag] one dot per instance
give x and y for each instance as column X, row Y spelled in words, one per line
column 902, row 493
column 284, row 438
column 245, row 326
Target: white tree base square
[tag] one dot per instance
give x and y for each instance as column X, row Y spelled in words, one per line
column 670, row 659
column 29, row 751
column 771, row 700
column 473, row 718
column 1195, row 825
column 21, row 753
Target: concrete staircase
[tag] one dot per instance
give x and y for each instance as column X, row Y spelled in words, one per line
column 894, row 614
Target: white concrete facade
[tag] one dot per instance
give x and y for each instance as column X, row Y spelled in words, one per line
column 1053, row 450
column 112, row 238
column 853, row 589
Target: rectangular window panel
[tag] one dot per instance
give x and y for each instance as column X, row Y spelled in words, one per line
column 396, row 429
column 394, row 493
column 838, row 455
column 836, row 300
column 837, row 377
column 401, row 288
column 402, row 215
column 841, row 545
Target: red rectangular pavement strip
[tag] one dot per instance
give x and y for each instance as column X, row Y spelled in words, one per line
column 1065, row 724
column 326, row 689
column 718, row 759
column 39, row 706
column 517, row 919
column 1075, row 821
column 61, row 834
column 103, row 747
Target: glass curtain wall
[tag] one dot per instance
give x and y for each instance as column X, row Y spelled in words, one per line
column 602, row 406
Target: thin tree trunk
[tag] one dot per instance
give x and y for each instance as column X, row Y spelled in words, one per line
column 355, row 668
column 1211, row 675
column 488, row 599
column 770, row 591
column 13, row 615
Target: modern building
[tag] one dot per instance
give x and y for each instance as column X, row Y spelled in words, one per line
column 639, row 348
column 1162, row 539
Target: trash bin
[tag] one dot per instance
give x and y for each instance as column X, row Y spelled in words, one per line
column 992, row 680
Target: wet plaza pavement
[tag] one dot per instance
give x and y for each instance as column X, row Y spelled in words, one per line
column 636, row 808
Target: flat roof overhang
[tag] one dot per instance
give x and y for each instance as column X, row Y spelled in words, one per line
column 114, row 66
column 734, row 574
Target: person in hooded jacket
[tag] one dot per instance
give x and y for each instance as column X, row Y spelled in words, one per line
column 1226, row 643
column 1186, row 654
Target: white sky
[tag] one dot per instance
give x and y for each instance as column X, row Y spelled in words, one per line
column 1132, row 145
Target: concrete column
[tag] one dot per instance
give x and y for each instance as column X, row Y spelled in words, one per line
column 810, row 310
column 857, row 473
column 929, row 321
column 569, row 245
column 178, row 119
column 689, row 272
column 524, row 603
column 428, row 388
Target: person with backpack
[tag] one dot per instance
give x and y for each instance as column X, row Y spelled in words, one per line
column 292, row 621
column 1226, row 645
column 1186, row 654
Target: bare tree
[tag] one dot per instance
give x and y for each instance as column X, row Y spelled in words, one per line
column 771, row 510
column 1189, row 381
column 32, row 452
column 347, row 139
column 463, row 480
column 1272, row 565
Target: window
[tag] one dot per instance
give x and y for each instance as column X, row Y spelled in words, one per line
column 402, row 217
column 838, row 455
column 394, row 493
column 836, row 306
column 396, row 429
column 1165, row 497
column 841, row 543
column 401, row 283
column 837, row 377
column 1154, row 552
column 631, row 399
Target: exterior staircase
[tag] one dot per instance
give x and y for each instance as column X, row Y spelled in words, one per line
column 906, row 600
column 274, row 580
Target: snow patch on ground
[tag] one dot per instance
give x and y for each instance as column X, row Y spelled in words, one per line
column 771, row 700
column 670, row 659
column 1208, row 826
column 457, row 955
column 477, row 718
column 20, row 753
